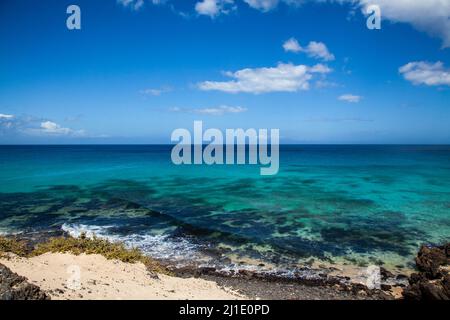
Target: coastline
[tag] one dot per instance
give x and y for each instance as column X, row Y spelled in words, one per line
column 102, row 278
column 217, row 262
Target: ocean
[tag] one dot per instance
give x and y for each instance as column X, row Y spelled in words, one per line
column 334, row 204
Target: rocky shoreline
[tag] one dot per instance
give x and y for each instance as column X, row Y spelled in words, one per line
column 431, row 282
column 15, row 287
column 271, row 287
column 303, row 283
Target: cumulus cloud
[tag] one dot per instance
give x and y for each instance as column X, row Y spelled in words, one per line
column 314, row 49
column 267, row 5
column 285, row 77
column 6, row 122
column 53, row 128
column 319, row 50
column 292, row 45
column 215, row 111
column 351, row 98
column 29, row 125
column 430, row 16
column 263, row 5
column 426, row 73
column 213, row 8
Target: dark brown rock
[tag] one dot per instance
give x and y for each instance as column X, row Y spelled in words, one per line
column 246, row 273
column 430, row 259
column 386, row 287
column 385, row 274
column 446, row 285
column 433, row 280
column 15, row 287
column 412, row 292
column 432, row 291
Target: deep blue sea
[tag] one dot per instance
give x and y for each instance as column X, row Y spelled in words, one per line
column 355, row 205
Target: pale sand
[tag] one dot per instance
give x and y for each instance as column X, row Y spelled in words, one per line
column 108, row 279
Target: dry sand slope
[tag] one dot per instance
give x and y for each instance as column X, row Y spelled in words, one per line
column 100, row 278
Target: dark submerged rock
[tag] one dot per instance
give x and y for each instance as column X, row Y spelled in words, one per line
column 385, row 274
column 433, row 280
column 15, row 287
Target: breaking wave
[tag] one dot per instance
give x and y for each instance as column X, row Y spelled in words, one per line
column 173, row 249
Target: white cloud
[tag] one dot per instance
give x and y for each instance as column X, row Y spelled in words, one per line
column 133, row 4
column 138, row 4
column 314, row 49
column 430, row 74
column 430, row 16
column 292, row 45
column 351, row 98
column 220, row 110
column 207, row 7
column 285, row 77
column 267, row 5
column 49, row 127
column 155, row 91
column 34, row 126
column 319, row 50
column 320, row 68
column 215, row 111
column 213, row 8
column 6, row 122
column 263, row 5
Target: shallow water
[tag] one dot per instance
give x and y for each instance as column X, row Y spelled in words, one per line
column 339, row 204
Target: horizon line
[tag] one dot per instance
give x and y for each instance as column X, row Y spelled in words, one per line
column 173, row 144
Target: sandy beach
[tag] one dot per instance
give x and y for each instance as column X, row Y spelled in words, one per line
column 93, row 277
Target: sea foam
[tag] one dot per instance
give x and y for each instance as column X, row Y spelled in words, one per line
column 176, row 250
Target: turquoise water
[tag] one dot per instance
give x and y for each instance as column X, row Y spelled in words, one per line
column 338, row 204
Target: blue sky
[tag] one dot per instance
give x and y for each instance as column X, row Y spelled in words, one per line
column 137, row 70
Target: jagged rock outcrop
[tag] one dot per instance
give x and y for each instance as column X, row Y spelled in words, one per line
column 15, row 287
column 433, row 280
